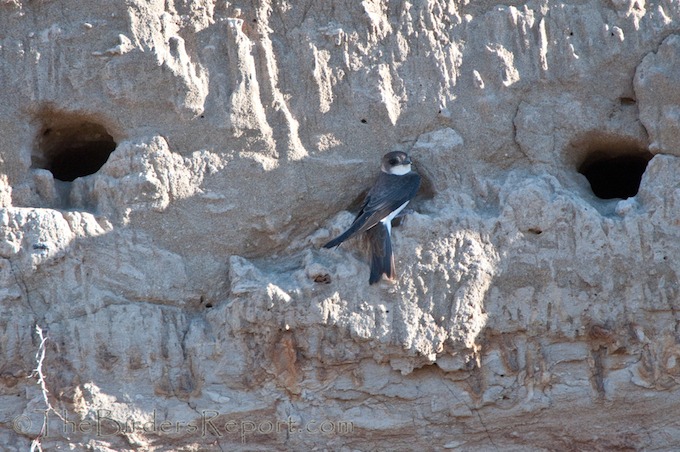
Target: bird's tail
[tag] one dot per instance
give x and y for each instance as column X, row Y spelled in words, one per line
column 382, row 260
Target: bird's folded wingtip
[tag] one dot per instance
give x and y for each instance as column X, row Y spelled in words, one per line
column 332, row 244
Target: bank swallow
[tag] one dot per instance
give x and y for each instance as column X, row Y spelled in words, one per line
column 395, row 187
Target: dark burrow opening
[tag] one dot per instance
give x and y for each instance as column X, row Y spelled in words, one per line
column 70, row 148
column 615, row 176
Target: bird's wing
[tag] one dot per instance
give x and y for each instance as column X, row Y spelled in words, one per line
column 388, row 194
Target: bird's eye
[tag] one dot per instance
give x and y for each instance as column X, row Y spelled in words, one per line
column 393, row 162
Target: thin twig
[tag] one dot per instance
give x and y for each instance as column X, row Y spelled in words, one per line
column 38, row 372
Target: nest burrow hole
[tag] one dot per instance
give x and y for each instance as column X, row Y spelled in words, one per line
column 71, row 147
column 615, row 173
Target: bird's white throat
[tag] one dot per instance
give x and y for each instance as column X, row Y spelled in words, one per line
column 400, row 170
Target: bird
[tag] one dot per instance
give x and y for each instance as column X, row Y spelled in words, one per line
column 397, row 184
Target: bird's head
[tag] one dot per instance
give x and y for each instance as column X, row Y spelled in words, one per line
column 397, row 163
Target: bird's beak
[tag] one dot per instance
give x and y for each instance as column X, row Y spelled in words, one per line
column 407, row 162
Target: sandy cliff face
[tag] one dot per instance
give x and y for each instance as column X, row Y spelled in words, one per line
column 170, row 170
